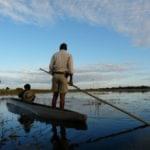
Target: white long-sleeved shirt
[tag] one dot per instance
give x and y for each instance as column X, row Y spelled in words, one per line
column 61, row 62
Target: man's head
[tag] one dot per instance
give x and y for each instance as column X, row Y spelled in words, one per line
column 27, row 86
column 63, row 46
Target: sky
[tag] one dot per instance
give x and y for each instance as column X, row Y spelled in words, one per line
column 108, row 39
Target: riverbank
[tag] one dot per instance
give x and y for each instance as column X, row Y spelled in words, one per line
column 112, row 89
column 16, row 91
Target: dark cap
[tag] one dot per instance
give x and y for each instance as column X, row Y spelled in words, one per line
column 63, row 46
column 27, row 86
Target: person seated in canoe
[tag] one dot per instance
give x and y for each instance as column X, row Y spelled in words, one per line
column 27, row 94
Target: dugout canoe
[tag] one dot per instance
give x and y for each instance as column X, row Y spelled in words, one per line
column 24, row 113
column 47, row 112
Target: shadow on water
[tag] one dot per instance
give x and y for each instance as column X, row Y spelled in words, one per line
column 113, row 135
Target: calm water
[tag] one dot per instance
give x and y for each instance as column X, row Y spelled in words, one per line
column 105, row 125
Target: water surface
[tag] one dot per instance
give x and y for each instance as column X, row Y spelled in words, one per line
column 107, row 128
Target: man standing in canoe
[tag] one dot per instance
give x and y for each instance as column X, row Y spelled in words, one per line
column 61, row 67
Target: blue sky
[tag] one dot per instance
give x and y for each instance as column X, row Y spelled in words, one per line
column 109, row 41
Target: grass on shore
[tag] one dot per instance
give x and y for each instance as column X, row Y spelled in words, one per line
column 17, row 91
column 112, row 89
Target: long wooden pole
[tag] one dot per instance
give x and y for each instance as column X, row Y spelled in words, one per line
column 105, row 102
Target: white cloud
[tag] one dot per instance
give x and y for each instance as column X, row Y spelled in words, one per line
column 125, row 16
column 130, row 17
column 34, row 11
column 91, row 76
column 14, row 79
column 103, row 75
column 105, row 68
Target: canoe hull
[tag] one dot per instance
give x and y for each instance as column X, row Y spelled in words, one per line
column 47, row 112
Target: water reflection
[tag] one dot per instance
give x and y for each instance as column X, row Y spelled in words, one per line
column 107, row 128
column 58, row 138
column 60, row 141
column 26, row 121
